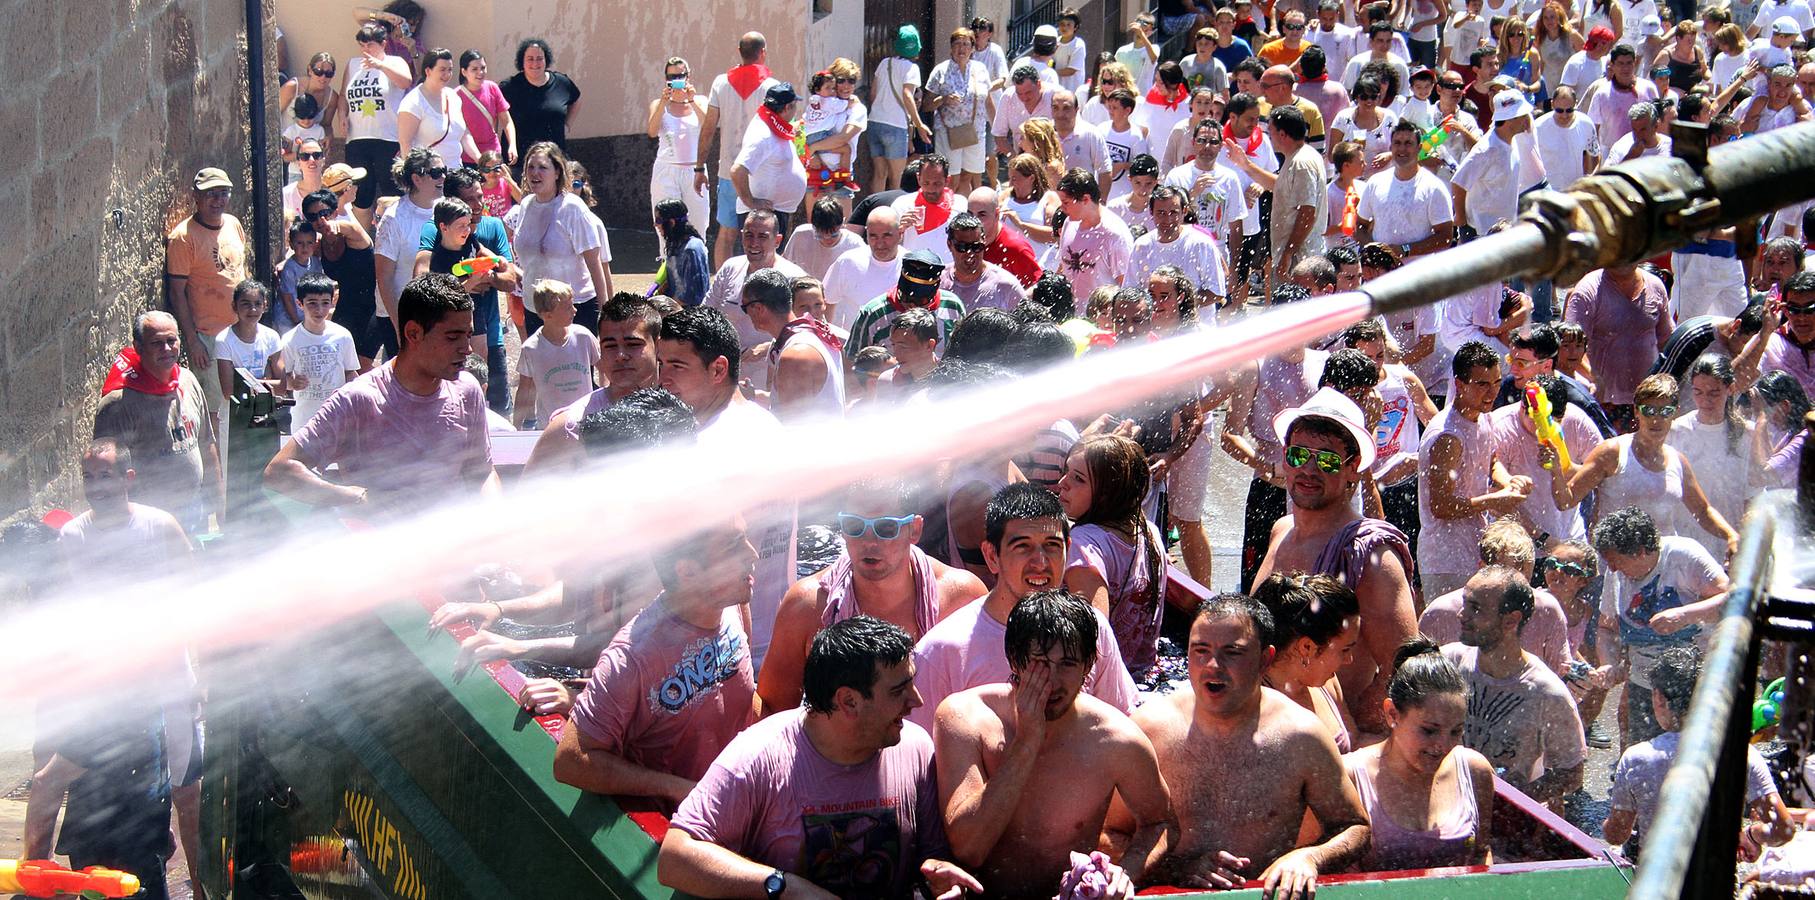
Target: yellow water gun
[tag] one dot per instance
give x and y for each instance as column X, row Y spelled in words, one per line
column 1537, row 408
column 43, row 878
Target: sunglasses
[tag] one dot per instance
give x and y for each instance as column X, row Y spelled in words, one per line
column 969, row 247
column 843, row 80
column 317, row 215
column 1574, row 570
column 308, row 156
column 1207, row 142
column 1329, row 461
column 1450, row 85
column 435, row 172
column 885, row 528
column 1562, row 110
column 496, row 168
column 1295, row 28
column 1808, row 309
column 1646, row 409
column 318, row 72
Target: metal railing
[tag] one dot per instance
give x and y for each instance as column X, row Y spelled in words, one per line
column 1021, row 27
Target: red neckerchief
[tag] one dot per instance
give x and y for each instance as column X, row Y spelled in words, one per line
column 746, row 79
column 898, row 305
column 1324, row 77
column 1158, row 96
column 1251, row 142
column 933, row 215
column 771, row 118
column 129, row 374
column 805, row 323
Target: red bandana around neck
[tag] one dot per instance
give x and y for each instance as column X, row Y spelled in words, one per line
column 746, row 79
column 1157, row 95
column 932, row 215
column 771, row 118
column 806, row 323
column 128, row 373
column 900, row 304
column 1248, row 145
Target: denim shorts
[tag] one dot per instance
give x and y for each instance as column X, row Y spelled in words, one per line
column 887, row 141
column 727, row 204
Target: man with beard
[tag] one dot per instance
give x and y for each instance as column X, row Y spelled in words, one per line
column 1026, row 536
column 1028, row 770
column 1326, row 449
column 881, row 573
column 1245, row 765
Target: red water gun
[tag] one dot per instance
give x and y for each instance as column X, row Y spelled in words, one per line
column 43, row 878
column 478, row 265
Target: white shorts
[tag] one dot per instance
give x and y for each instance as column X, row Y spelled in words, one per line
column 1188, row 481
column 969, row 159
column 672, row 181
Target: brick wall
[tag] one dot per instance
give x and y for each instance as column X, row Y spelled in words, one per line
column 110, row 108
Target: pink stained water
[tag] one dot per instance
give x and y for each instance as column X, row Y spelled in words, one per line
column 616, row 511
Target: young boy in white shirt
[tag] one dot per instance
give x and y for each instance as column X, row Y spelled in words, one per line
column 318, row 355
column 555, row 366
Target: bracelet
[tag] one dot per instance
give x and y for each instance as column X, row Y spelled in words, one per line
column 699, row 168
column 497, row 606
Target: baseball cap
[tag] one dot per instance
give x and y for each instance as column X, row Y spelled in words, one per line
column 780, row 95
column 1048, row 31
column 1330, row 403
column 1651, row 25
column 1601, row 34
column 1510, row 105
column 1423, row 72
column 211, row 178
column 1785, row 25
column 920, row 271
column 339, row 174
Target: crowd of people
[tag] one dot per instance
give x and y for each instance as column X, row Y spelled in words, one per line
column 1467, row 526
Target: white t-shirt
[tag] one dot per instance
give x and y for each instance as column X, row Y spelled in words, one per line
column 248, row 356
column 726, row 292
column 1561, row 147
column 1581, row 71
column 1493, row 174
column 1196, row 252
column 1338, row 44
column 1725, row 67
column 734, row 115
column 562, row 372
column 372, row 101
column 1617, row 153
column 1072, row 55
column 325, row 359
column 400, row 238
column 1377, row 140
column 1124, row 146
column 1221, row 202
column 929, row 235
column 856, row 278
column 1461, row 38
column 551, row 240
column 776, row 174
column 1770, row 10
column 1086, row 149
column 805, row 250
column 1093, row 257
column 1404, row 212
column 1263, row 157
column 1768, row 120
column 1352, row 71
column 1609, row 107
column 892, row 74
column 442, row 125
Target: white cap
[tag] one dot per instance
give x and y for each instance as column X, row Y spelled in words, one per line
column 1510, row 105
column 1651, row 25
column 1046, row 31
column 1785, row 25
column 1330, row 403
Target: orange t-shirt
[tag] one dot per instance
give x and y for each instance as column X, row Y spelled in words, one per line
column 212, row 260
column 1276, row 53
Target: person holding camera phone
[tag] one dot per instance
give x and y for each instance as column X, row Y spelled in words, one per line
column 675, row 117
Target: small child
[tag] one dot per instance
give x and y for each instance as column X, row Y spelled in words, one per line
column 302, row 261
column 810, row 300
column 1344, row 193
column 246, row 344
column 555, row 365
column 501, row 191
column 1072, row 57
column 824, row 114
column 306, row 109
column 318, row 354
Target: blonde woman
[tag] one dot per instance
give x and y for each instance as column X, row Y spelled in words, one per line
column 1030, row 203
column 1730, row 57
column 1040, row 138
column 1520, row 60
column 1111, row 76
column 1556, row 40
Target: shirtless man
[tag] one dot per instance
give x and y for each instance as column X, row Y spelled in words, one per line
column 1027, row 769
column 628, row 328
column 881, row 573
column 1322, row 534
column 1214, row 740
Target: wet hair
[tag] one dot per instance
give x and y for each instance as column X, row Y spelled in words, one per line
column 1540, row 339
column 1659, row 388
column 459, row 179
column 1364, row 330
column 1031, row 166
column 1552, row 386
column 1471, row 356
column 1239, row 104
column 1143, row 164
column 624, row 307
column 918, row 323
column 1040, row 344
column 1629, row 532
column 1673, row 677
column 1720, row 369
column 671, row 218
column 1315, row 607
column 1515, row 591
column 1018, row 502
column 1313, row 66
column 312, row 284
column 1187, row 292
column 826, row 215
column 1080, row 184
column 848, row 654
column 1232, row 605
column 1505, row 542
column 1420, row 672
column 449, row 210
column 772, row 289
column 1752, row 319
column 649, row 417
column 709, row 333
column 963, row 221
column 1028, row 312
column 1782, row 387
column 1055, row 618
column 427, row 299
column 1054, row 292
column 1290, row 121
column 1348, row 370
column 872, row 360
column 1119, row 479
column 548, row 53
column 1319, row 271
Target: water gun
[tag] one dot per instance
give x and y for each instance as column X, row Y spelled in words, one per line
column 1537, row 408
column 478, row 265
column 661, row 272
column 1351, row 215
column 1767, row 709
column 1436, row 137
column 43, row 878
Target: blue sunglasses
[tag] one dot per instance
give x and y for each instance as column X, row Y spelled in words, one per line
column 886, row 528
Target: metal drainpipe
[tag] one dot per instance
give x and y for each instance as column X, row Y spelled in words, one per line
column 261, row 138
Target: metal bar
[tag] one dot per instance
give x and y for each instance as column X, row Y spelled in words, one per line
column 1711, row 872
column 1684, row 800
column 1021, row 28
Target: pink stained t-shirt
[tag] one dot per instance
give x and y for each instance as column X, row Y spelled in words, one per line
column 669, row 695
column 1525, row 725
column 1624, row 333
column 1451, row 546
column 479, row 117
column 1135, row 608
column 1546, row 636
column 403, row 448
column 965, row 650
column 1517, row 450
column 856, row 831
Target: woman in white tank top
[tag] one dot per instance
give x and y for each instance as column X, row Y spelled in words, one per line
column 1641, row 470
column 674, row 121
column 1029, row 204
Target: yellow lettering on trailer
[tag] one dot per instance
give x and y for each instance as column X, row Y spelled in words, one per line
column 384, row 846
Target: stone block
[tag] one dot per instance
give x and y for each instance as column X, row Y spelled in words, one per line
column 69, row 116
column 30, row 52
column 19, row 123
column 85, row 183
column 87, row 28
column 16, row 235
column 174, row 34
column 120, row 96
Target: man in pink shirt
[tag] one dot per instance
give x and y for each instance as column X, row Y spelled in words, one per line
column 675, row 685
column 832, row 799
column 406, row 431
column 1546, row 636
column 1792, row 347
column 1626, row 312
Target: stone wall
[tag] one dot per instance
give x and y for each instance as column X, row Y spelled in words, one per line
column 110, row 108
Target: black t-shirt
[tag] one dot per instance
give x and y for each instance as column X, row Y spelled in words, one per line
column 540, row 113
column 441, row 259
column 119, row 809
column 860, row 214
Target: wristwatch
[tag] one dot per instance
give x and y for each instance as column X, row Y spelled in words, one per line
column 775, row 884
column 1405, row 250
column 701, row 167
